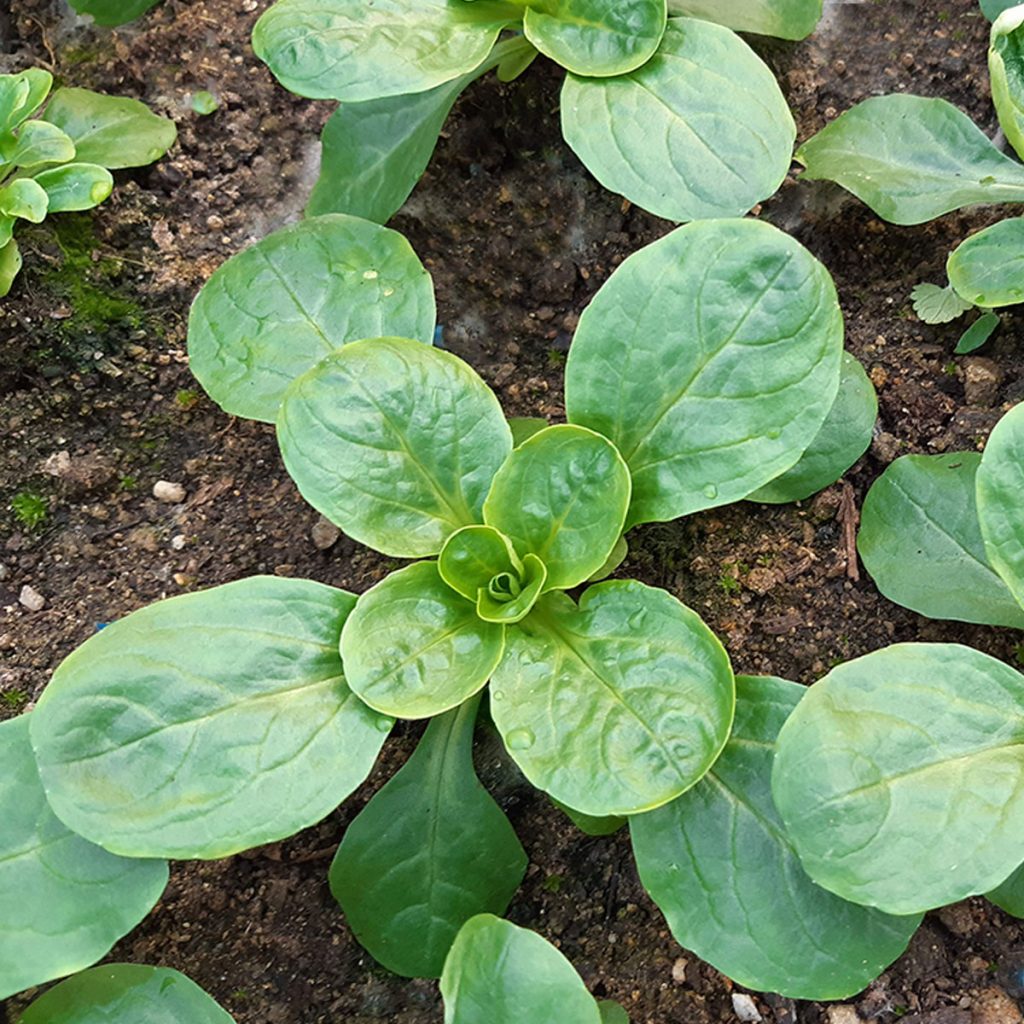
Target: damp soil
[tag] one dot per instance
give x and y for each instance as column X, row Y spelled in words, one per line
column 97, row 404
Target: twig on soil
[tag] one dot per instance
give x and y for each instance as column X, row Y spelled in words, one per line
column 849, row 517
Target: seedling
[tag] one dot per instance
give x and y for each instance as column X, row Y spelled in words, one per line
column 30, row 509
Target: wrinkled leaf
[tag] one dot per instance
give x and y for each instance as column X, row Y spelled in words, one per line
column 273, row 311
column 912, row 742
column 24, row 198
column 911, row 159
column 616, row 706
column 786, row 19
column 701, row 130
column 493, row 606
column 934, row 304
column 113, row 12
column 1009, row 894
column 63, row 901
column 921, row 542
column 988, row 268
column 719, row 865
column 394, row 441
column 207, row 723
column 10, row 264
column 37, row 142
column 75, row 186
column 977, row 334
column 1006, row 71
column 710, row 359
column 473, row 556
column 429, row 851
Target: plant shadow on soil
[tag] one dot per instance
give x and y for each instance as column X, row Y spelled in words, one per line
column 518, row 238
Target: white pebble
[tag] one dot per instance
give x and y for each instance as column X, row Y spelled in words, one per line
column 744, row 1008
column 165, row 490
column 31, row 599
column 178, row 541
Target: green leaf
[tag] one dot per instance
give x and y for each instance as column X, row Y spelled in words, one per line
column 429, row 851
column 500, row 603
column 24, row 198
column 588, row 824
column 977, row 334
column 497, row 973
column 473, row 556
column 562, row 495
column 718, row 863
column 334, row 49
column 516, row 62
column 524, row 427
column 21, row 95
column 111, row 131
column 616, row 706
column 701, row 130
column 844, row 437
column 612, row 562
column 1009, row 895
column 414, row 648
column 37, row 142
column 1001, row 502
column 394, row 441
column 987, row 268
column 63, row 901
column 921, row 542
column 1006, row 71
column 786, row 19
column 596, row 37
column 207, row 723
column 911, row 159
column 612, row 1013
column 993, row 8
column 936, row 305
column 10, row 264
column 126, row 992
column 710, row 359
column 273, row 311
column 113, row 12
column 75, row 186
column 900, row 776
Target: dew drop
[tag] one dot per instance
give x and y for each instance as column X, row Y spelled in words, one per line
column 774, row 434
column 370, row 275
column 711, row 491
column 384, row 723
column 98, row 192
column 497, row 694
column 388, row 292
column 520, row 739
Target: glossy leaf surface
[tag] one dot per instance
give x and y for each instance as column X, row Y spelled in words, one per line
column 429, row 851
column 701, row 130
column 63, row 901
column 113, row 12
column 394, row 441
column 473, row 556
column 616, row 706
column 988, row 268
column 495, row 607
column 273, row 311
column 912, row 741
column 677, row 355
column 719, row 865
column 921, row 542
column 21, row 95
column 912, row 159
column 37, row 142
column 1006, row 73
column 207, row 723
column 24, row 198
column 75, row 186
column 786, row 19
column 10, row 264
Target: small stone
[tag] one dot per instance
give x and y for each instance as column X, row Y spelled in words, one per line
column 144, row 537
column 31, row 599
column 958, row 919
column 982, row 381
column 761, row 580
column 885, row 447
column 994, row 1006
column 843, row 1014
column 744, row 1008
column 166, row 490
column 324, row 533
column 183, row 579
column 178, row 541
column 679, row 971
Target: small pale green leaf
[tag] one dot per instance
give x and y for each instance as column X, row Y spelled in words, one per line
column 616, row 706
column 112, row 131
column 24, row 198
column 207, row 723
column 562, row 495
column 10, row 264
column 76, row 186
column 37, row 142
column 473, row 556
column 273, row 311
column 912, row 159
column 63, row 901
column 1006, row 72
column 127, row 994
column 701, row 130
column 7, row 230
column 334, row 49
column 414, row 648
column 394, row 441
column 921, row 542
column 524, row 427
column 612, row 562
column 710, row 359
column 498, row 973
column 612, row 1013
column 844, row 437
column 494, row 607
column 1009, row 895
column 588, row 824
column 988, row 268
column 934, row 304
column 113, row 12
column 14, row 92
column 596, row 37
column 428, row 852
column 785, row 19
column 516, row 62
column 719, row 865
column 1001, row 501
column 977, row 334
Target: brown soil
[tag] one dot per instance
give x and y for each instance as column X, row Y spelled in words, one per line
column 518, row 238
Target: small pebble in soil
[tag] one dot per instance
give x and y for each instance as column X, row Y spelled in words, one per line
column 324, row 533
column 679, row 971
column 166, row 490
column 178, row 541
column 744, row 1008
column 982, row 381
column 843, row 1015
column 31, row 599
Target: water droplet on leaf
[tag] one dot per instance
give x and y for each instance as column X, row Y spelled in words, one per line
column 520, row 739
column 497, row 694
column 384, row 723
column 370, row 275
column 711, row 491
column 774, row 434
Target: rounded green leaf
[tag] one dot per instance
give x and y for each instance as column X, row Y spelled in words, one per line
column 24, row 198
column 63, row 901
column 597, row 37
column 498, row 973
column 10, row 264
column 473, row 556
column 701, row 130
column 786, row 19
column 414, row 648
column 921, row 542
column 429, row 850
column 718, row 863
column 273, row 311
column 843, row 438
column 37, row 142
column 21, row 95
column 987, row 269
column 616, row 706
column 207, row 723
column 900, row 777
column 336, row 49
column 113, row 12
column 75, row 186
column 1001, row 502
column 562, row 495
column 1009, row 894
column 710, row 359
column 977, row 334
column 129, row 994
column 911, row 159
column 1006, row 71
column 394, row 441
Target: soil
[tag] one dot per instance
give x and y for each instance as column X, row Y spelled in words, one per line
column 518, row 238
